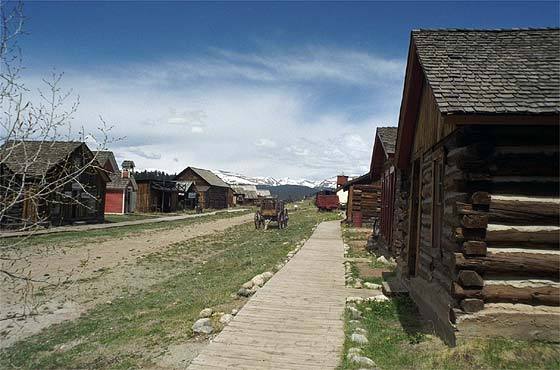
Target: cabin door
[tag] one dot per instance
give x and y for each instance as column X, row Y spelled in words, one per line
column 414, row 219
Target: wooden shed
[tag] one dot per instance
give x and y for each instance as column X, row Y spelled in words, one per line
column 50, row 183
column 157, row 196
column 363, row 203
column 479, row 154
column 383, row 170
column 213, row 192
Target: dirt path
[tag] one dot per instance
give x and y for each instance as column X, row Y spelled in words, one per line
column 92, row 276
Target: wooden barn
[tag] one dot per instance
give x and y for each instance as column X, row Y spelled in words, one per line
column 363, row 202
column 120, row 196
column 245, row 194
column 157, row 196
column 50, row 183
column 478, row 151
column 383, row 170
column 212, row 191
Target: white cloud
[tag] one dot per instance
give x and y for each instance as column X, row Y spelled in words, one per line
column 260, row 115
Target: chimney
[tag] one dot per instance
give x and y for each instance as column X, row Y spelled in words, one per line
column 125, row 174
column 341, row 180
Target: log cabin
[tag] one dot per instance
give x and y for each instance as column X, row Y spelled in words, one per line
column 213, row 192
column 120, row 196
column 245, row 194
column 383, row 170
column 50, row 183
column 363, row 200
column 478, row 152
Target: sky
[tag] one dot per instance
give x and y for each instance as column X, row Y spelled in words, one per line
column 281, row 89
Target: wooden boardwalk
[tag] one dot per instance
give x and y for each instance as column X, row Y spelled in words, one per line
column 296, row 320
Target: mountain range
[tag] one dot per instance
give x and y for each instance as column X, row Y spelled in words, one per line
column 232, row 178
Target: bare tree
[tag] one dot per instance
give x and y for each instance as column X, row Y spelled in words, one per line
column 45, row 167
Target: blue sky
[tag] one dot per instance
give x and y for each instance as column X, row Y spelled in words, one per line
column 266, row 89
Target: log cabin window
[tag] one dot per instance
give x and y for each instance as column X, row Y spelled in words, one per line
column 438, row 199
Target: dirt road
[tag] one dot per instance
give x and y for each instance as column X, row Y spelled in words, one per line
column 91, row 275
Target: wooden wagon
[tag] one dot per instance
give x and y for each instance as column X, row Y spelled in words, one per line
column 271, row 209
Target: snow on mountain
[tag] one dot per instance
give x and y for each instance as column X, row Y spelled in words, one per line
column 232, row 178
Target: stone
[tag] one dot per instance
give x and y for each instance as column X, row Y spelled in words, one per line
column 257, row 281
column 248, row 285
column 354, row 351
column 203, row 326
column 378, row 298
column 354, row 300
column 234, row 311
column 358, row 285
column 360, row 331
column 372, row 286
column 207, row 312
column 267, row 275
column 362, row 360
column 382, row 259
column 355, row 314
column 245, row 292
column 226, row 318
column 359, row 339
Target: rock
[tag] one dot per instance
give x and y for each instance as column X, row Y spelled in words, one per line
column 355, row 351
column 248, row 285
column 226, row 318
column 382, row 259
column 372, row 286
column 378, row 298
column 354, row 299
column 359, row 339
column 234, row 311
column 267, row 275
column 355, row 314
column 245, row 292
column 257, row 281
column 279, row 266
column 360, row 331
column 358, row 285
column 362, row 360
column 353, row 322
column 203, row 326
column 207, row 312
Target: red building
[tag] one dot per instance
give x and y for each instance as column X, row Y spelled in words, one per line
column 120, row 196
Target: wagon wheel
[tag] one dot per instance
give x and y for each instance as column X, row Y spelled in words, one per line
column 280, row 219
column 257, row 220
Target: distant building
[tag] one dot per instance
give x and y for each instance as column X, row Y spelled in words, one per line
column 245, row 194
column 212, row 191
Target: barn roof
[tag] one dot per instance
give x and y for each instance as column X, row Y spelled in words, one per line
column 492, row 71
column 364, row 179
column 35, row 158
column 207, row 176
column 388, row 138
column 103, row 156
column 118, row 182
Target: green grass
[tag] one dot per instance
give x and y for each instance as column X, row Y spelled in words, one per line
column 130, row 217
column 132, row 331
column 399, row 340
column 83, row 237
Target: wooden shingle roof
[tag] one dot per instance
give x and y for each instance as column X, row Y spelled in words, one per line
column 388, row 137
column 492, row 71
column 35, row 158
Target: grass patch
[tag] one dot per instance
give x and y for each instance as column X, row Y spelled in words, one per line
column 132, row 331
column 84, row 237
column 398, row 339
column 131, row 217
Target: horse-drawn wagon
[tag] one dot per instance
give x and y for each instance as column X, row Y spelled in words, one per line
column 271, row 210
